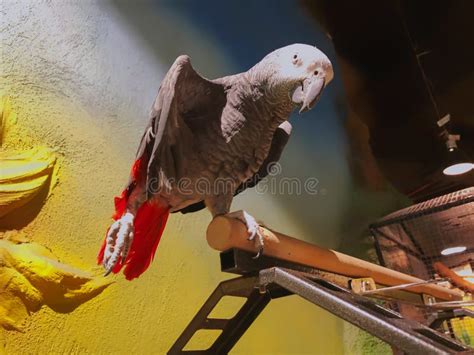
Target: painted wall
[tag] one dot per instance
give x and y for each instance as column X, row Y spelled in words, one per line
column 82, row 76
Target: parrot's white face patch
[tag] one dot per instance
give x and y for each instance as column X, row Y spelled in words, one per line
column 300, row 71
column 295, row 61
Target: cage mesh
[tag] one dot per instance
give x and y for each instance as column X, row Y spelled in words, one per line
column 412, row 241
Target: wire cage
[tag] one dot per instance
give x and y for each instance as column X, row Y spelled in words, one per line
column 430, row 240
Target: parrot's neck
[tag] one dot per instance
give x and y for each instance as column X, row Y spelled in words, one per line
column 274, row 95
column 254, row 107
column 255, row 104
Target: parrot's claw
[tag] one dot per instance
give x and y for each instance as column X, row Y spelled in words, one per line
column 257, row 237
column 253, row 228
column 118, row 241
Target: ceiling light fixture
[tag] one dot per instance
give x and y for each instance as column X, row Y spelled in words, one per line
column 458, row 169
column 453, row 250
column 457, row 162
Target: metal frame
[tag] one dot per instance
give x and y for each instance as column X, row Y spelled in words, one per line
column 268, row 278
column 232, row 329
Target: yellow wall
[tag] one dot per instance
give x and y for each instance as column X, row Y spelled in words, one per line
column 81, row 84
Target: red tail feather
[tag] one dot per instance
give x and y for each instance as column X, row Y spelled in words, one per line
column 149, row 224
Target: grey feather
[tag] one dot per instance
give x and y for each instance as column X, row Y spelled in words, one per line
column 279, row 141
column 185, row 101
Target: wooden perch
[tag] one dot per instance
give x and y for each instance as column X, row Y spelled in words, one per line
column 457, row 280
column 225, row 233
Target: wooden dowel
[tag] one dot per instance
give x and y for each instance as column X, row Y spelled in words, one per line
column 457, row 280
column 225, row 233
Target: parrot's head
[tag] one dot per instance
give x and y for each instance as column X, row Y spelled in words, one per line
column 300, row 71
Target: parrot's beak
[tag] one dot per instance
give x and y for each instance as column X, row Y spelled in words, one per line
column 309, row 92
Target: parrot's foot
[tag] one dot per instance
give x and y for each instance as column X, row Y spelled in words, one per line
column 253, row 228
column 118, row 241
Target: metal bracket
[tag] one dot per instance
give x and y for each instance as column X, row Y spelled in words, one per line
column 428, row 300
column 363, row 286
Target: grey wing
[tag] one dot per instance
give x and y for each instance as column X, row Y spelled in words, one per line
column 185, row 102
column 279, row 141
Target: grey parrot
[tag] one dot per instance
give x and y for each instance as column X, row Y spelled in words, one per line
column 206, row 141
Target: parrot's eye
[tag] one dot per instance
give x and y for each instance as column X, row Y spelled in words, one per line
column 295, row 56
column 316, row 72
